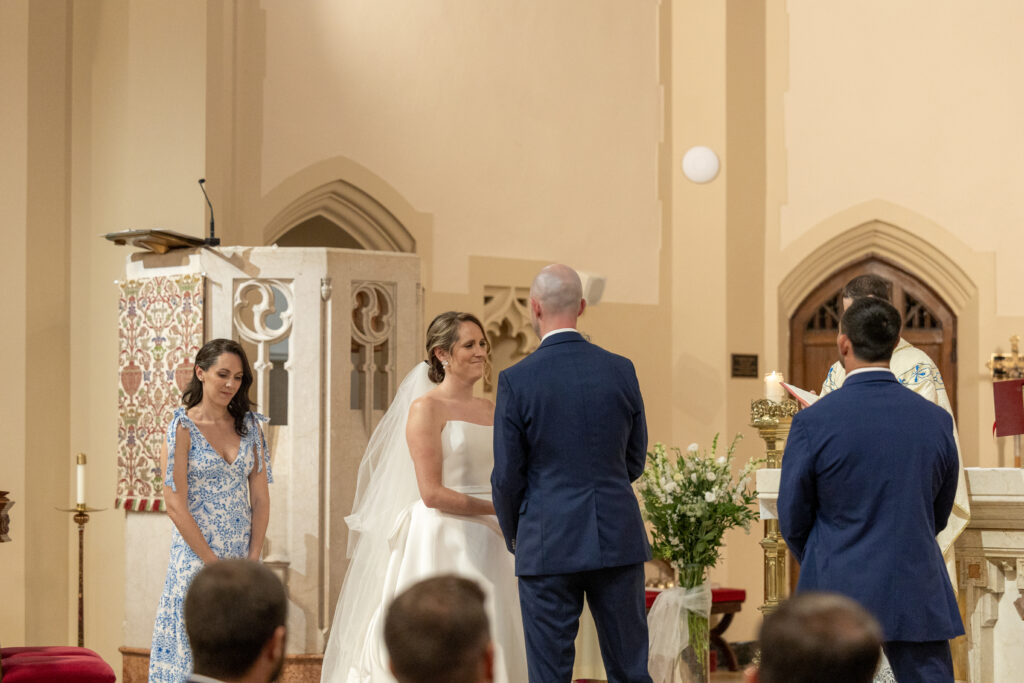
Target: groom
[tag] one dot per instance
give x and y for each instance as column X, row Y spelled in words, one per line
column 862, row 497
column 569, row 438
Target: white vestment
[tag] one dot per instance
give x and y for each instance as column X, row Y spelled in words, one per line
column 916, row 371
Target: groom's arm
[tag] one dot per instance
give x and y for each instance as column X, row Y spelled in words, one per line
column 797, row 503
column 947, row 478
column 636, row 447
column 508, row 479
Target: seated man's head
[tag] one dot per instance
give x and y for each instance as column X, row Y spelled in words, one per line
column 818, row 638
column 235, row 614
column 436, row 631
column 868, row 332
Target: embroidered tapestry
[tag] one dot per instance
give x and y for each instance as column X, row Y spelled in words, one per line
column 160, row 330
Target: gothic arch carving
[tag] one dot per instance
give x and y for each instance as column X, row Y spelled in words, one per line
column 355, row 211
column 881, row 239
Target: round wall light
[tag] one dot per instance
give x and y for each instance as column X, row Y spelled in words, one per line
column 700, row 164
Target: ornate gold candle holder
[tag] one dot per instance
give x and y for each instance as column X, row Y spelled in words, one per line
column 772, row 419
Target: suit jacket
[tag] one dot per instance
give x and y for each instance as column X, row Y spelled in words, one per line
column 868, row 479
column 570, row 437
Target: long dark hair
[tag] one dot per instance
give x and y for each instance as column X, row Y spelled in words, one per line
column 240, row 404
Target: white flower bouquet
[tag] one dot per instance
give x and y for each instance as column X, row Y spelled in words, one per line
column 690, row 501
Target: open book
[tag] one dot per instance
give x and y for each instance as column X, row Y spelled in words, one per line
column 803, row 397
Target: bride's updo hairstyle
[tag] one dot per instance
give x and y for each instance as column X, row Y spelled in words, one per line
column 443, row 333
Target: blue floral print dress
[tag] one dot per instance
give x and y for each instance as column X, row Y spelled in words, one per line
column 218, row 498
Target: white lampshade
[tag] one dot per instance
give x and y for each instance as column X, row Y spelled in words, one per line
column 700, row 164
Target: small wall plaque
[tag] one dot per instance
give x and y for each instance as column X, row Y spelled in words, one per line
column 744, row 365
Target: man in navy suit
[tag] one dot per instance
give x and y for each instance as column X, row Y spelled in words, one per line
column 868, row 479
column 569, row 439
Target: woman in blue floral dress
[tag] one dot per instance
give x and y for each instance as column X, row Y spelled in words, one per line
column 217, row 471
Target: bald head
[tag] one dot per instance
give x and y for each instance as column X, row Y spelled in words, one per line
column 556, row 299
column 557, row 288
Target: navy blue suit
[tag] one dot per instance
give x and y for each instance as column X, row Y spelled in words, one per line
column 570, row 437
column 868, row 480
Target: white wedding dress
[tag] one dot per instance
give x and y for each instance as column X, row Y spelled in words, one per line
column 423, row 542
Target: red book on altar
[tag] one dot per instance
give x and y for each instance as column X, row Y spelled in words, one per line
column 1009, row 398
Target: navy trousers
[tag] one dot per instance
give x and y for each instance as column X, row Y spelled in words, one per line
column 551, row 607
column 927, row 662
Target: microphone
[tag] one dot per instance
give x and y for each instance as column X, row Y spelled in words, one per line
column 211, row 240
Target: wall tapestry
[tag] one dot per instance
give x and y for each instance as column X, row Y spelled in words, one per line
column 160, row 330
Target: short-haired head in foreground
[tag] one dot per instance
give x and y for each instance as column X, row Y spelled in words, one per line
column 818, row 638
column 436, row 631
column 235, row 614
column 872, row 327
column 556, row 298
column 870, row 285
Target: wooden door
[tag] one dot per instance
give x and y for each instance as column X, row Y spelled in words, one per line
column 928, row 323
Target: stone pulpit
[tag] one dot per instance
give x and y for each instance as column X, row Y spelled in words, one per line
column 990, row 559
column 330, row 334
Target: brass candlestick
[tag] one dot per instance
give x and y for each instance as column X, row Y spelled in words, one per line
column 772, row 420
column 81, row 517
column 1007, row 365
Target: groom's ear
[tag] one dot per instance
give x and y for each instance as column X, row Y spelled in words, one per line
column 844, row 345
column 535, row 307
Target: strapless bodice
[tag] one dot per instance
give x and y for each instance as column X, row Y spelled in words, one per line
column 468, row 456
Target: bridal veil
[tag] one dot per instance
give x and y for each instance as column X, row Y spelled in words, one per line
column 385, row 486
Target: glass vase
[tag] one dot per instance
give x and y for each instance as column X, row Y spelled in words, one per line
column 695, row 660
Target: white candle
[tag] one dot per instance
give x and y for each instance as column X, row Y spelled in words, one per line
column 81, row 479
column 773, row 390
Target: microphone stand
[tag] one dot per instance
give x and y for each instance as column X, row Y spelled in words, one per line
column 211, row 241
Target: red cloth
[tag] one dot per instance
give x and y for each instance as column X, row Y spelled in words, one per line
column 717, row 595
column 45, row 664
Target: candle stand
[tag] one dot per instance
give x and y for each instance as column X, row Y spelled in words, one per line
column 81, row 517
column 772, row 419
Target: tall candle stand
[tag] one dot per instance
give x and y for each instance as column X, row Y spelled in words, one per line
column 772, row 419
column 81, row 512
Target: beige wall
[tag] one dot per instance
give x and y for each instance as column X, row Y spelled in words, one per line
column 107, row 134
column 13, row 281
column 906, row 113
column 139, row 147
column 528, row 131
column 502, row 136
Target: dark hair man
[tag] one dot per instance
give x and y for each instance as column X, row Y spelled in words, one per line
column 861, row 498
column 436, row 631
column 915, row 371
column 235, row 618
column 818, row 638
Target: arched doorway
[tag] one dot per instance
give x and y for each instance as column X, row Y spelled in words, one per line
column 928, row 323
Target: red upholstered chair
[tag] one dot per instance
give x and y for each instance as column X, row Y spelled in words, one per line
column 46, row 664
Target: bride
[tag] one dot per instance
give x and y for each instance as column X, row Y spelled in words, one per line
column 423, row 507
